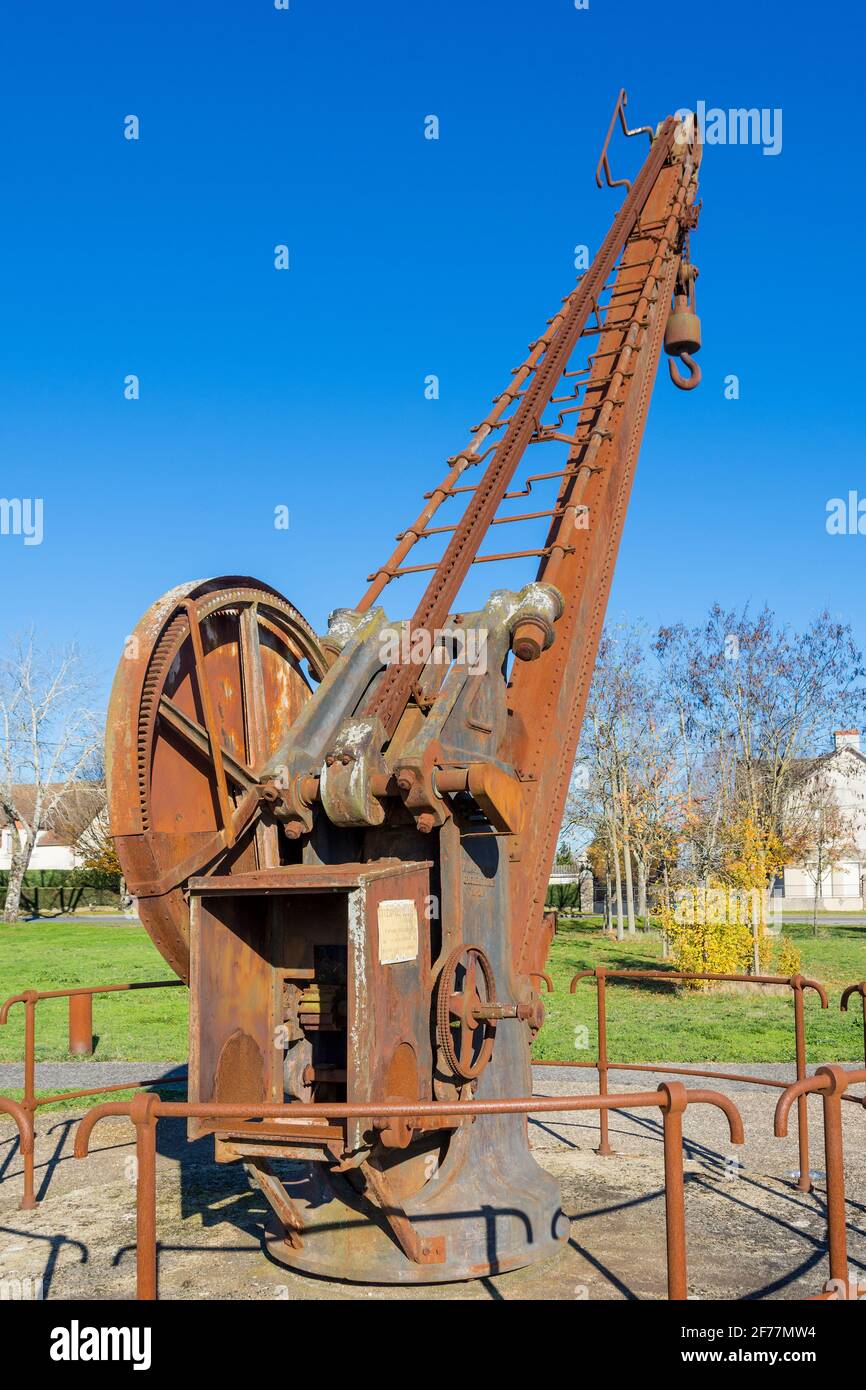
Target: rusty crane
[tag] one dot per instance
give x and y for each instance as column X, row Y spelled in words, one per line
column 343, row 844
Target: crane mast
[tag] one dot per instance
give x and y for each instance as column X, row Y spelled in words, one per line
column 352, row 878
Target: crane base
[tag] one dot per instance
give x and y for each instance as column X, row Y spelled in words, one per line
column 487, row 1222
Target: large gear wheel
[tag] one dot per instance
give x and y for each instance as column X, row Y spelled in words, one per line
column 457, row 1005
column 210, row 681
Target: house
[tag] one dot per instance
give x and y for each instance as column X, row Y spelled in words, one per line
column 842, row 887
column 575, row 874
column 58, row 845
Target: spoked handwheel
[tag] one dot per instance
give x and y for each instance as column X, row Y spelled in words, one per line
column 465, row 992
column 210, row 682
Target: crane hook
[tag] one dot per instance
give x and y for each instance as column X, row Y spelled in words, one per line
column 683, row 328
column 685, row 383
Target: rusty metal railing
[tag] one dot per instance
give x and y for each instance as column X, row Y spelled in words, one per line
column 24, row 1120
column 146, row 1110
column 831, row 1083
column 602, row 1064
column 80, row 1042
column 860, row 989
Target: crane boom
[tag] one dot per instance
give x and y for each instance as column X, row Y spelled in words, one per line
column 548, row 698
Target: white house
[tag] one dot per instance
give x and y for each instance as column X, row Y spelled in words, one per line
column 56, row 846
column 842, row 887
column 574, row 871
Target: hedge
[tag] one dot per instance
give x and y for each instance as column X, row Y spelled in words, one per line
column 64, row 890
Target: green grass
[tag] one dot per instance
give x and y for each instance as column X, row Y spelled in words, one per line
column 147, row 1025
column 650, row 1023
column 656, row 1022
column 78, row 1104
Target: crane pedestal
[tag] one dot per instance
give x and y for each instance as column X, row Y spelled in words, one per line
column 492, row 1209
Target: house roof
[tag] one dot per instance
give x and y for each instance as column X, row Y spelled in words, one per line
column 804, row 766
column 76, row 808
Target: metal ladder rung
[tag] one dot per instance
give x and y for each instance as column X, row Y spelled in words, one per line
column 479, row 560
column 497, row 521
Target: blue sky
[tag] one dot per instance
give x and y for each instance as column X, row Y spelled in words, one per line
column 305, row 388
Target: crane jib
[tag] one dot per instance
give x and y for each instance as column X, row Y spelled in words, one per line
column 390, row 699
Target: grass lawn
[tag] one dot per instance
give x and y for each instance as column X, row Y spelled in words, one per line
column 648, row 1023
column 146, row 1025
column 655, row 1022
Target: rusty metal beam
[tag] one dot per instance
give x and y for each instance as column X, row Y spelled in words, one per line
column 391, row 697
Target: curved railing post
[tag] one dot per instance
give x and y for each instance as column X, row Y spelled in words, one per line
column 798, row 985
column 831, row 1082
column 859, row 988
column 144, row 1113
column 88, row 1123
column 837, row 1237
column 675, row 1192
column 29, row 998
column 24, row 1120
column 599, row 975
column 601, row 1011
column 804, row 1176
column 677, row 1100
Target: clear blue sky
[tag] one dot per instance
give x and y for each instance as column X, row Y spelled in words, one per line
column 408, row 257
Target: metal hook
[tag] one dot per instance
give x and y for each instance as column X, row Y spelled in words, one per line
column 685, row 383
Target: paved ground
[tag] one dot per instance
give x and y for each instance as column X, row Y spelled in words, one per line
column 101, row 919
column 74, row 1076
column 827, row 919
column 751, row 1234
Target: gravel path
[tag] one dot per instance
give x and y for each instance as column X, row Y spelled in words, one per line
column 75, row 1076
column 81, row 919
column 750, row 1233
column 552, row 1081
column 561, row 1080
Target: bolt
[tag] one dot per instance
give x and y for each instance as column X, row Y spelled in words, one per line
column 425, row 823
column 528, row 640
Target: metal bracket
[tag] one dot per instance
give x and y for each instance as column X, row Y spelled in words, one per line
column 603, row 161
column 421, row 1250
column 262, row 1174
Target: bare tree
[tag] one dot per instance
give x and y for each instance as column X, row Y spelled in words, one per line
column 688, row 767
column 754, row 698
column 826, row 834
column 48, row 736
column 612, row 759
column 85, row 808
column 657, row 807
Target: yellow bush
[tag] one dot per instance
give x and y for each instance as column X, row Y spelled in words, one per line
column 789, row 960
column 709, row 931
